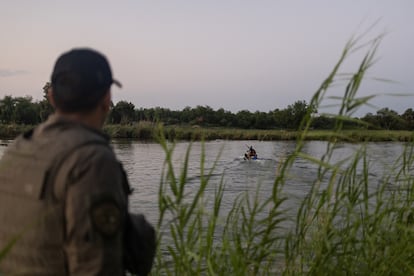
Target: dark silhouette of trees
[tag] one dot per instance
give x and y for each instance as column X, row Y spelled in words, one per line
column 25, row 112
column 408, row 117
column 386, row 118
column 323, row 122
column 45, row 108
column 389, row 119
column 122, row 113
column 22, row 110
column 295, row 113
column 7, row 106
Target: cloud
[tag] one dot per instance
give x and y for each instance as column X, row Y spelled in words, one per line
column 4, row 73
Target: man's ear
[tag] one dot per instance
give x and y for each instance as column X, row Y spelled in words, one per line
column 106, row 101
column 50, row 97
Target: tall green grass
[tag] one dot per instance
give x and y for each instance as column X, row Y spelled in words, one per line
column 346, row 224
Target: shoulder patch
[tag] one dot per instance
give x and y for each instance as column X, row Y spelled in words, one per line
column 106, row 218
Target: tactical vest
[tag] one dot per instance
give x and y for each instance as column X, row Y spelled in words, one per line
column 33, row 226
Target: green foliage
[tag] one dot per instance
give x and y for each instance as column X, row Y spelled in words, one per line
column 408, row 117
column 122, row 113
column 25, row 112
column 7, row 109
column 22, row 110
column 142, row 130
column 146, row 131
column 296, row 113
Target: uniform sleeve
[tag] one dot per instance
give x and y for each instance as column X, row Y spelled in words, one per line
column 95, row 208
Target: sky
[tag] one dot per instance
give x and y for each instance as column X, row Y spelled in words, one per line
column 238, row 55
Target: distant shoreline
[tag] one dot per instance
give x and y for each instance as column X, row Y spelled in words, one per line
column 147, row 132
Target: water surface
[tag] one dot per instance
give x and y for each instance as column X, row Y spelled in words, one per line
column 144, row 163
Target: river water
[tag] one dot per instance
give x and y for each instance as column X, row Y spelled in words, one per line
column 144, row 162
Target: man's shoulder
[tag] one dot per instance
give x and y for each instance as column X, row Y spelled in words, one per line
column 62, row 135
column 85, row 139
column 84, row 148
column 56, row 142
column 72, row 134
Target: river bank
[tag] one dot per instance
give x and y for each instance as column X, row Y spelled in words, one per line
column 146, row 131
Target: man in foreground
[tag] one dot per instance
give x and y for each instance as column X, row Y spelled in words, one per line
column 63, row 194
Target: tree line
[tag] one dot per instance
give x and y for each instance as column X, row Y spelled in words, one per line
column 23, row 110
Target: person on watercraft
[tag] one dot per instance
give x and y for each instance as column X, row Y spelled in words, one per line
column 251, row 153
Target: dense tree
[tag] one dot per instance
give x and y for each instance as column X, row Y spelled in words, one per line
column 296, row 113
column 279, row 118
column 203, row 115
column 323, row 122
column 263, row 120
column 408, row 117
column 389, row 119
column 244, row 119
column 22, row 110
column 25, row 112
column 185, row 116
column 7, row 106
column 371, row 120
column 220, row 117
column 122, row 113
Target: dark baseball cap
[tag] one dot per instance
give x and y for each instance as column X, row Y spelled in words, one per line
column 80, row 77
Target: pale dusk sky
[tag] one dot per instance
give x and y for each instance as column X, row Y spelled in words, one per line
column 236, row 55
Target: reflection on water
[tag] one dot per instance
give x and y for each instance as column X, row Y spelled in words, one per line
column 144, row 162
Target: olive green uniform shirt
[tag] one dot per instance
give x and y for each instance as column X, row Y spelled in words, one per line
column 87, row 193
